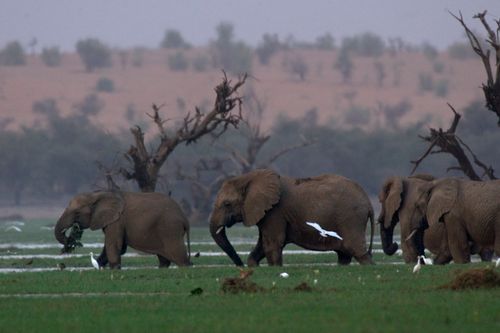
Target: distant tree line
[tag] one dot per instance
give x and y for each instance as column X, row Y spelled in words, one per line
column 58, row 158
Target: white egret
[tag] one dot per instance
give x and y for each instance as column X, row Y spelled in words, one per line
column 420, row 262
column 13, row 228
column 284, row 275
column 323, row 232
column 93, row 261
column 497, row 264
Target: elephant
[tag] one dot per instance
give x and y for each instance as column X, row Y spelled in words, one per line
column 149, row 222
column 404, row 200
column 280, row 207
column 397, row 198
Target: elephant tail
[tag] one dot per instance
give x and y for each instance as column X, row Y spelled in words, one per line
column 188, row 242
column 372, row 231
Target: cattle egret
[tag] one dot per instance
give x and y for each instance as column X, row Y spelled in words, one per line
column 427, row 261
column 93, row 261
column 284, row 275
column 497, row 264
column 13, row 228
column 323, row 232
column 420, row 262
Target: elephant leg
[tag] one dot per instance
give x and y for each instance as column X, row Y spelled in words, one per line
column 486, row 254
column 458, row 243
column 164, row 262
column 273, row 237
column 365, row 259
column 343, row 258
column 256, row 255
column 442, row 259
column 102, row 260
column 114, row 244
column 176, row 252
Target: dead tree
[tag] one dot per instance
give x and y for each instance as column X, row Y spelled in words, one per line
column 203, row 189
column 146, row 164
column 247, row 160
column 491, row 88
column 449, row 142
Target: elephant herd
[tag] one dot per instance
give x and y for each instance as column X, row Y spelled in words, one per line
column 451, row 218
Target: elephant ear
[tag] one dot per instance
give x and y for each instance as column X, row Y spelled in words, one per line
column 261, row 194
column 442, row 198
column 390, row 197
column 107, row 209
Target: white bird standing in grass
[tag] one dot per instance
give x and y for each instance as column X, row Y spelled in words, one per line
column 420, row 262
column 93, row 261
column 497, row 264
column 323, row 232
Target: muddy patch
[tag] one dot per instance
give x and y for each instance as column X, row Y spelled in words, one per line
column 303, row 287
column 241, row 284
column 476, row 278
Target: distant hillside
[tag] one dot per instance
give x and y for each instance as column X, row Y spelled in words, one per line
column 406, row 87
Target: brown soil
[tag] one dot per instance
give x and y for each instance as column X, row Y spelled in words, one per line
column 237, row 285
column 303, row 287
column 474, row 279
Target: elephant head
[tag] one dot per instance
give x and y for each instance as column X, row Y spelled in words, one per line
column 404, row 200
column 89, row 210
column 244, row 199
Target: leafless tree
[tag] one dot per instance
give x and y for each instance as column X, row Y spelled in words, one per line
column 204, row 188
column 145, row 165
column 491, row 88
column 256, row 138
column 449, row 142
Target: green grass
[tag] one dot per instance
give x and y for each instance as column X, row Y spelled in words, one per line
column 386, row 297
column 383, row 298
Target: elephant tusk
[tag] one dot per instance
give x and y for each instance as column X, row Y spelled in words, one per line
column 219, row 230
column 411, row 235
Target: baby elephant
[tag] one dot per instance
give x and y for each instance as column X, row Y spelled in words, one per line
column 148, row 222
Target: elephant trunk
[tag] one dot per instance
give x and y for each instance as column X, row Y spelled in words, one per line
column 63, row 224
column 219, row 235
column 388, row 245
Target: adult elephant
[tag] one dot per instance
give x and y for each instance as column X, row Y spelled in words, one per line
column 398, row 197
column 404, row 200
column 280, row 207
column 149, row 222
column 470, row 211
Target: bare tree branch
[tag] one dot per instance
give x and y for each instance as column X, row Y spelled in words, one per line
column 491, row 88
column 146, row 165
column 448, row 142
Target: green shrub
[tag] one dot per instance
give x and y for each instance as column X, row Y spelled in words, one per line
column 51, row 56
column 270, row 45
column 173, row 40
column 105, row 85
column 429, row 51
column 177, row 61
column 93, row 53
column 12, row 55
column 234, row 57
column 325, row 42
column 367, row 45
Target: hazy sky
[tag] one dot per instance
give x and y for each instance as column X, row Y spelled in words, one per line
column 127, row 23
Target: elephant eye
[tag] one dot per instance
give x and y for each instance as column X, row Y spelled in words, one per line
column 226, row 204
